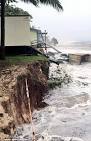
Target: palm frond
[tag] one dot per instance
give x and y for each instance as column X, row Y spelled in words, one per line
column 34, row 2
column 54, row 3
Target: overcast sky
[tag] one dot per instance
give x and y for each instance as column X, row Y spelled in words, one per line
column 73, row 24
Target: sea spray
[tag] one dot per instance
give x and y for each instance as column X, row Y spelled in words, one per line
column 58, row 76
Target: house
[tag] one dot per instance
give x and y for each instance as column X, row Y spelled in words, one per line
column 17, row 30
column 19, row 35
column 36, row 36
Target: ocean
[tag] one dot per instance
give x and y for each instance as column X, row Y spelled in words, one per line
column 68, row 116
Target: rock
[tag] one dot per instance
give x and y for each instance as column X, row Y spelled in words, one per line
column 4, row 136
column 1, row 110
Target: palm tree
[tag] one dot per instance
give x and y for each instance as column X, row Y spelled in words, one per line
column 2, row 49
column 54, row 3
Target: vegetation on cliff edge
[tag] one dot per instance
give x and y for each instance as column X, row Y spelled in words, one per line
column 24, row 59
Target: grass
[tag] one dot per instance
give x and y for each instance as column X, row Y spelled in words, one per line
column 24, row 59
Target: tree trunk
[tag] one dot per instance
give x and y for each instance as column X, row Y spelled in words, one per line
column 2, row 48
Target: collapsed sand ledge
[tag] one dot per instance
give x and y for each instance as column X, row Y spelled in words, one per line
column 14, row 108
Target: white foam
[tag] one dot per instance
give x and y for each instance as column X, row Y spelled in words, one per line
column 81, row 105
column 46, row 137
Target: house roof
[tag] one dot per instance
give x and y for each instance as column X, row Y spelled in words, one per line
column 34, row 29
column 18, row 16
column 26, row 15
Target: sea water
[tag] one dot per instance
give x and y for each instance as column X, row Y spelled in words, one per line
column 68, row 116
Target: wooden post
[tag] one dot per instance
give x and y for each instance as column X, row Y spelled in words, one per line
column 45, row 33
column 30, row 112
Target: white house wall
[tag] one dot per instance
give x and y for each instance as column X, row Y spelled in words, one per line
column 17, row 31
column 33, row 35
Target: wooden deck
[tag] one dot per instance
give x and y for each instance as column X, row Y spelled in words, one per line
column 79, row 58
